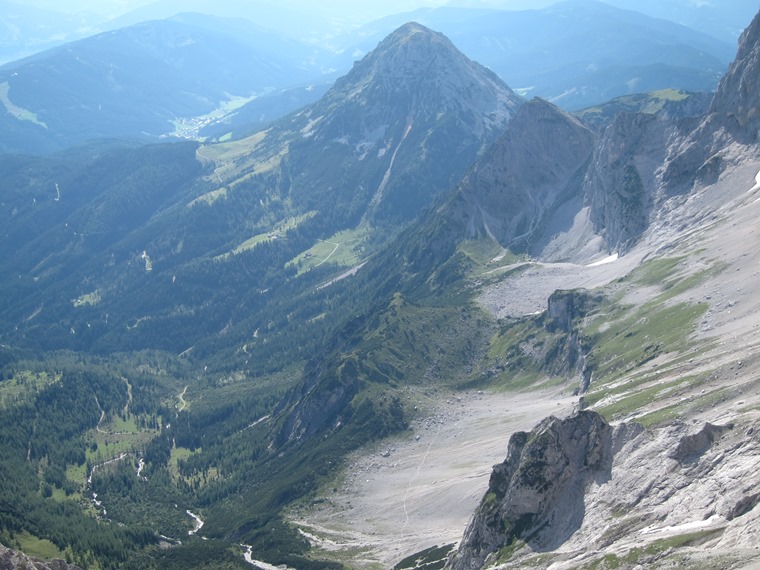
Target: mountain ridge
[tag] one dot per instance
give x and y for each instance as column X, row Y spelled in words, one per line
column 136, row 81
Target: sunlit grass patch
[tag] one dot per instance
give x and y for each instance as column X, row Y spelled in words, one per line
column 179, row 454
column 14, row 110
column 25, row 383
column 637, row 335
column 209, row 197
column 89, row 299
column 277, row 231
column 342, row 249
column 37, row 547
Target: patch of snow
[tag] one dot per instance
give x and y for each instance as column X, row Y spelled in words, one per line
column 756, row 186
column 685, row 527
column 610, row 259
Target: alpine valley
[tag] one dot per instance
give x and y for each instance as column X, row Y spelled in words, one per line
column 408, row 319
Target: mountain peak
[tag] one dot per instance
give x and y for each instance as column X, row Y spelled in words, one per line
column 411, row 29
column 417, row 74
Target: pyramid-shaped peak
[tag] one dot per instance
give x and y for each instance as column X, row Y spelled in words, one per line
column 415, row 39
column 413, row 31
column 420, row 71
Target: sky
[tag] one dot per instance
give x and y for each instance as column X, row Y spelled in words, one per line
column 722, row 18
column 117, row 7
column 350, row 9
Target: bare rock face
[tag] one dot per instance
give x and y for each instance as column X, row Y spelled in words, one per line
column 407, row 121
column 531, row 170
column 537, row 494
column 621, row 184
column 13, row 560
column 584, row 491
column 736, row 97
column 567, row 305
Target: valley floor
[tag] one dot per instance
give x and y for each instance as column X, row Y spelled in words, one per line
column 419, row 490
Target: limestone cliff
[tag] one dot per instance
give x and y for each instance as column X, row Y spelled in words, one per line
column 621, row 183
column 532, row 169
column 736, row 97
column 537, row 494
column 583, row 490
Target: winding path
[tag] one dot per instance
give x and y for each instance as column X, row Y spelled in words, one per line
column 337, row 245
column 182, row 401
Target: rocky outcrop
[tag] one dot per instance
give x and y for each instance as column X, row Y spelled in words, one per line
column 736, row 98
column 621, row 183
column 697, row 155
column 585, row 491
column 13, row 560
column 531, row 170
column 566, row 306
column 320, row 402
column 537, row 495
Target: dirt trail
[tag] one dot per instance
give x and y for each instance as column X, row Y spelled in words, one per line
column 182, row 401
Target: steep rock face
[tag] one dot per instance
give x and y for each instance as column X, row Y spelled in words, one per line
column 565, row 306
column 622, row 181
column 530, row 171
column 736, row 97
column 411, row 116
column 643, row 160
column 320, row 403
column 637, row 486
column 537, row 494
column 13, row 560
column 682, row 478
column 700, row 152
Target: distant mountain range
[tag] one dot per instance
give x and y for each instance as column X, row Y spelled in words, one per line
column 145, row 81
column 556, row 53
column 174, row 77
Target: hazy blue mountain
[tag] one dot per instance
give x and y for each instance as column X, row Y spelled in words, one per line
column 723, row 19
column 297, row 24
column 25, row 29
column 577, row 53
column 144, row 80
column 365, row 159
